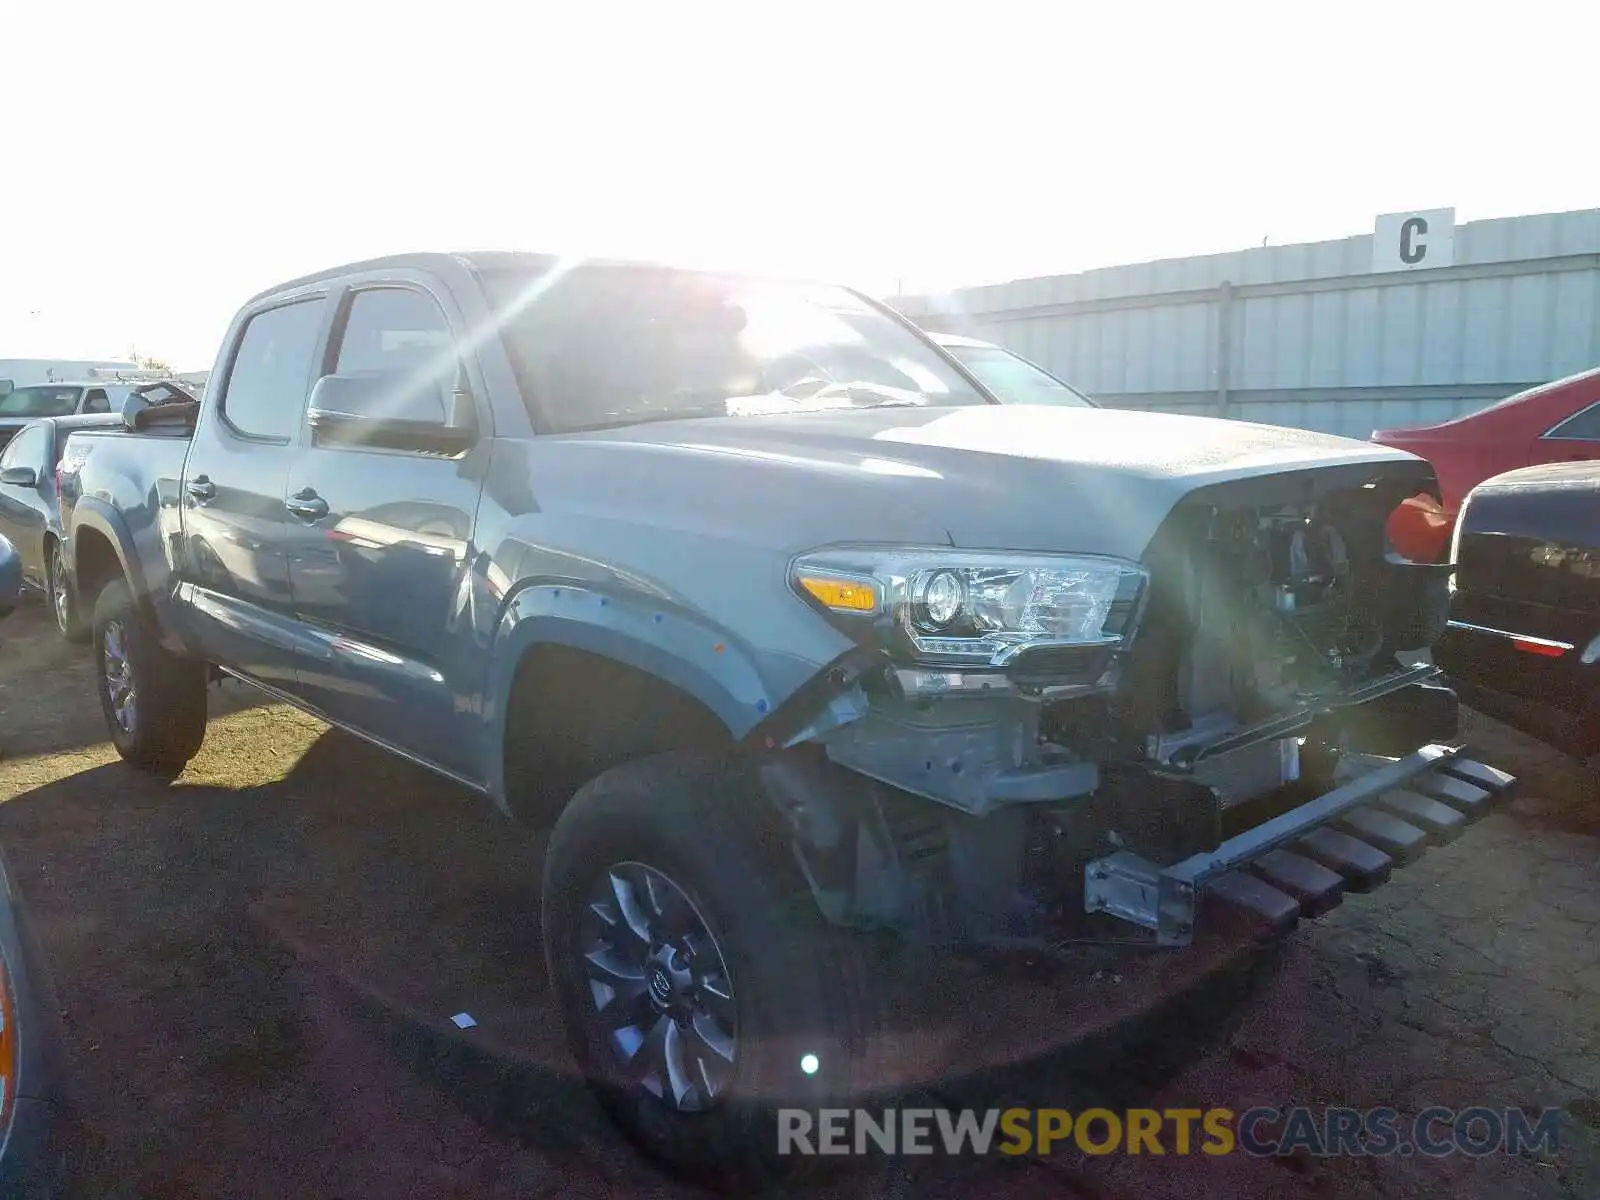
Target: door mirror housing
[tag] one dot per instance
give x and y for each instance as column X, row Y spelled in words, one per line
column 20, row 477
column 395, row 412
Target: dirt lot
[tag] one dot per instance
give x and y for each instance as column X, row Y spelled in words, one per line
column 257, row 964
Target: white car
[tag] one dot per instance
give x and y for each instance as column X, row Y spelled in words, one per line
column 1012, row 378
column 21, row 406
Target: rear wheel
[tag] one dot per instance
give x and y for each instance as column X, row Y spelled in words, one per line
column 63, row 601
column 700, row 989
column 154, row 701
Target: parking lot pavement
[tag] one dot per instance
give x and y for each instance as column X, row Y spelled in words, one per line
column 257, row 965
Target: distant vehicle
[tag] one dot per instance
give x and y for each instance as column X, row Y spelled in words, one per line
column 1554, row 422
column 10, row 578
column 30, row 510
column 1012, row 378
column 1523, row 643
column 23, row 405
column 20, row 372
column 36, row 1142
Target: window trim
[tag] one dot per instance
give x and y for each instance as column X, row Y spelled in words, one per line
column 1554, row 434
column 272, row 305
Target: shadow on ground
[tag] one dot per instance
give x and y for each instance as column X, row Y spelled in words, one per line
column 257, row 984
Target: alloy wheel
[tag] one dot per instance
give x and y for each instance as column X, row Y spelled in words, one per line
column 60, row 598
column 119, row 676
column 662, row 998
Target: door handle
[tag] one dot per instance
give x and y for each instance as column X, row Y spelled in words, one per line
column 201, row 488
column 307, row 505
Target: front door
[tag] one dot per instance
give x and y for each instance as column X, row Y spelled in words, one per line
column 234, row 570
column 22, row 505
column 381, row 550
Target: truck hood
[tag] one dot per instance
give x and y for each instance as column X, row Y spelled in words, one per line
column 1012, row 476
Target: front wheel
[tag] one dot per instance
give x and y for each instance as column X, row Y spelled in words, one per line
column 63, row 600
column 700, row 989
column 154, row 701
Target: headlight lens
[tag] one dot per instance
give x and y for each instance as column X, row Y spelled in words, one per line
column 942, row 598
column 971, row 607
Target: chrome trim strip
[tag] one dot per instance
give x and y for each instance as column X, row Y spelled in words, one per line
column 1564, row 647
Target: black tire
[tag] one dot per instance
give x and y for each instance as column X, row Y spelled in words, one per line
column 63, row 598
column 166, row 721
column 799, row 987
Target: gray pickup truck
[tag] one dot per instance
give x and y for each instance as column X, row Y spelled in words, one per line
column 791, row 630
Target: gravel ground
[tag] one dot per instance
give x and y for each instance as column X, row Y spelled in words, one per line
column 256, row 966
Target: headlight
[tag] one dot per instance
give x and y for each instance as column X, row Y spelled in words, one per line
column 973, row 607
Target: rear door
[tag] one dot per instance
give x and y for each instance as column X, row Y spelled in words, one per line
column 1573, row 440
column 381, row 544
column 234, row 571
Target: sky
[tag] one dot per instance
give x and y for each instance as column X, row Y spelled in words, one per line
column 165, row 161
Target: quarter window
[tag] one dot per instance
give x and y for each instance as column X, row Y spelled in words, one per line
column 96, row 401
column 271, row 371
column 1580, row 427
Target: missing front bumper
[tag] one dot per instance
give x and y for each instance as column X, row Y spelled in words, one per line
column 1301, row 862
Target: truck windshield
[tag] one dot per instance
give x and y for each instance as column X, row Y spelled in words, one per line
column 1015, row 380
column 603, row 345
column 40, row 400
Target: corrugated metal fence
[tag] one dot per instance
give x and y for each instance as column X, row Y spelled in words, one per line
column 1308, row 335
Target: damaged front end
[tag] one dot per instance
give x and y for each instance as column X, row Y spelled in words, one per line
column 1050, row 747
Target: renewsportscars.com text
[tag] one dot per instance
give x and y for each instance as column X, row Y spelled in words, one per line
column 1262, row 1132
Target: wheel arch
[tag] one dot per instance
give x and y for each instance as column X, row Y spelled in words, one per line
column 660, row 643
column 99, row 553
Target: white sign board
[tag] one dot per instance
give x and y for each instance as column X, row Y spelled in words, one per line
column 1410, row 241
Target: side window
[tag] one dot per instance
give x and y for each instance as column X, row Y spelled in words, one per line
column 27, row 449
column 399, row 340
column 1582, row 426
column 96, row 401
column 271, row 371
column 393, row 331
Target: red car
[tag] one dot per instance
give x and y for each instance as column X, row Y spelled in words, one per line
column 1554, row 422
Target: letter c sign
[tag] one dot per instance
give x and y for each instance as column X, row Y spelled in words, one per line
column 1413, row 240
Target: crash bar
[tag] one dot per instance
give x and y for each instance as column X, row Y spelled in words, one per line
column 1285, row 827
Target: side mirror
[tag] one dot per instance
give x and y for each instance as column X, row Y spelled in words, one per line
column 396, row 412
column 20, row 477
column 10, row 577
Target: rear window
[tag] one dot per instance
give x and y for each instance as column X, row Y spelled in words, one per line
column 40, row 400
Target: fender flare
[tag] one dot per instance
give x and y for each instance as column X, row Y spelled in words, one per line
column 95, row 514
column 643, row 632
